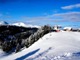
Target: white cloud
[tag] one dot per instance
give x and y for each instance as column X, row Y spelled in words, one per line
column 55, row 18
column 69, row 16
column 71, row 6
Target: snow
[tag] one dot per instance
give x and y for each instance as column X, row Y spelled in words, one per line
column 1, row 53
column 3, row 23
column 69, row 28
column 25, row 25
column 52, row 46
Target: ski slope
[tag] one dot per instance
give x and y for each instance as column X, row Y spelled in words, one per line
column 52, row 46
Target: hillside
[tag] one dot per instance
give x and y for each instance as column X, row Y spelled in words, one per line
column 12, row 36
column 52, row 46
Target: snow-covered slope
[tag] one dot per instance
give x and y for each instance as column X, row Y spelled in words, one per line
column 3, row 23
column 25, row 25
column 53, row 46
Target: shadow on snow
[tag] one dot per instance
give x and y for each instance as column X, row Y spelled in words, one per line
column 76, row 54
column 40, row 54
column 27, row 55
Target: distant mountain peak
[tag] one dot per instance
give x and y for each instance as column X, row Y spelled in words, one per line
column 25, row 25
column 19, row 24
column 3, row 23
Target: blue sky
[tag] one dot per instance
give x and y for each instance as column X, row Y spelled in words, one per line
column 41, row 12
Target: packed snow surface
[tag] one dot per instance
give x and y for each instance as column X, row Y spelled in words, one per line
column 52, row 46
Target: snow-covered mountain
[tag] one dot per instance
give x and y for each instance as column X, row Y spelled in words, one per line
column 52, row 46
column 19, row 24
column 3, row 23
column 25, row 25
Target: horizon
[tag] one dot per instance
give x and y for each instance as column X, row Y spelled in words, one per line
column 41, row 12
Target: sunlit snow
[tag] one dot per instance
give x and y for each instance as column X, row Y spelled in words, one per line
column 52, row 46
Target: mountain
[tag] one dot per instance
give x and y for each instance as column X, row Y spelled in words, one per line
column 19, row 24
column 52, row 46
column 25, row 25
column 3, row 23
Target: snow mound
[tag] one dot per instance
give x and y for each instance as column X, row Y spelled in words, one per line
column 52, row 46
column 3, row 23
column 69, row 28
column 25, row 25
